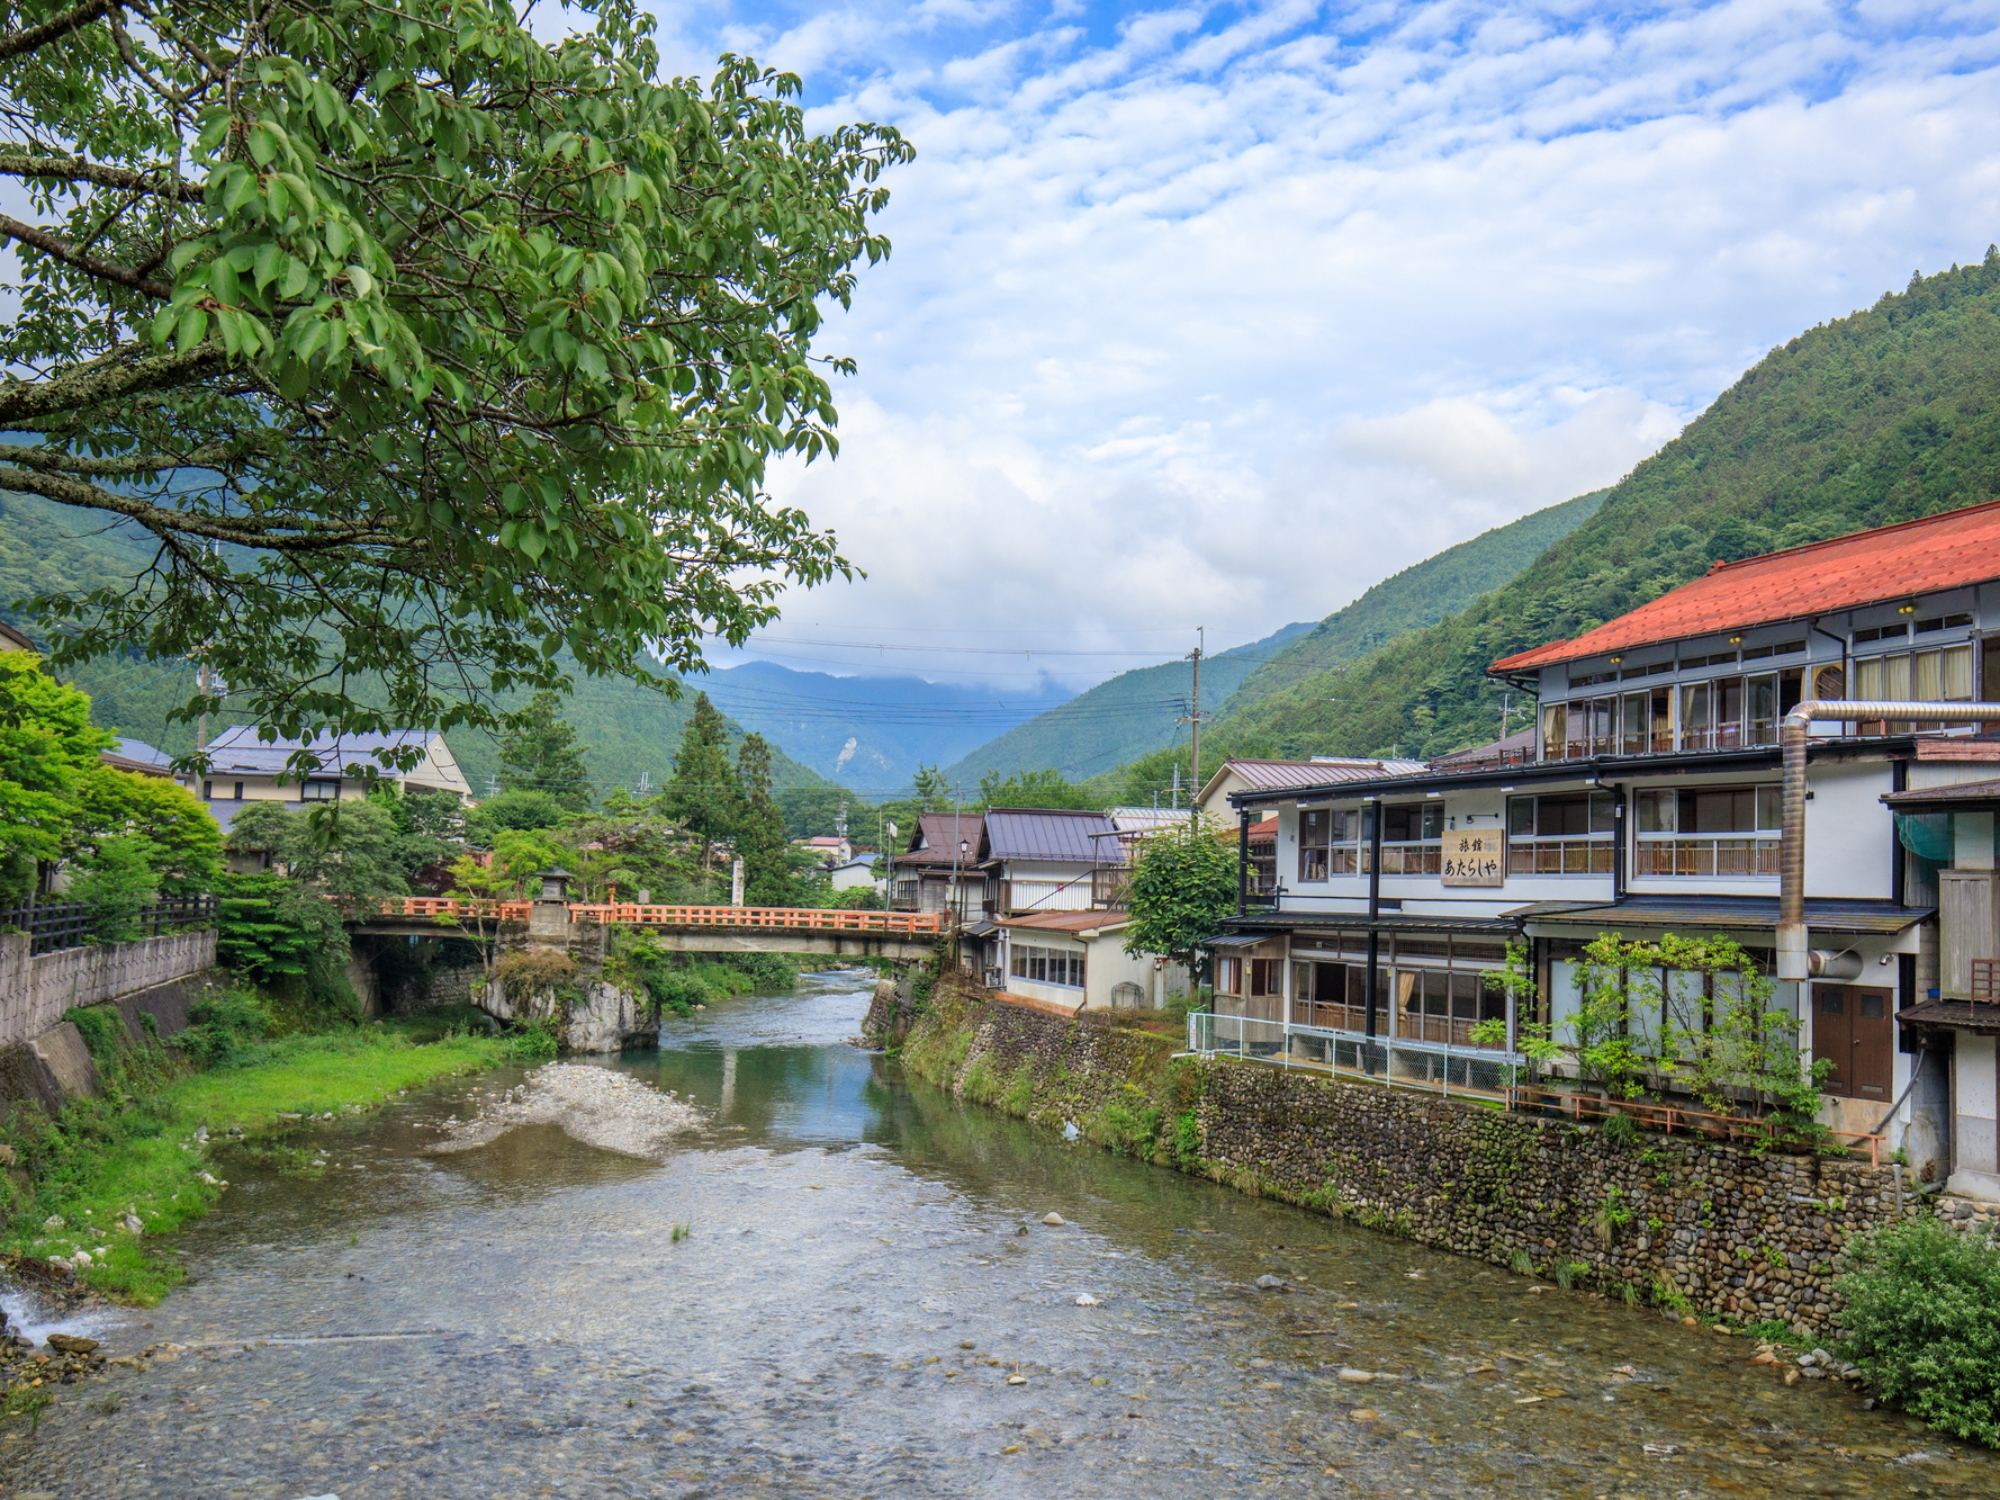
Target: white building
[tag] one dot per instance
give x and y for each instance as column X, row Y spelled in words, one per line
column 1646, row 802
column 244, row 769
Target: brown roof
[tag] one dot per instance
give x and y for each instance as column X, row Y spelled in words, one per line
column 937, row 836
column 1953, row 550
column 12, row 639
column 1073, row 922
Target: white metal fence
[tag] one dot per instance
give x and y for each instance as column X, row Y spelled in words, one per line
column 1440, row 1066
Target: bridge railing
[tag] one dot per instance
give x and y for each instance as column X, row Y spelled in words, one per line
column 655, row 914
column 762, row 918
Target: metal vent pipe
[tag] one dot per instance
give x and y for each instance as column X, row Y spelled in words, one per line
column 1792, row 960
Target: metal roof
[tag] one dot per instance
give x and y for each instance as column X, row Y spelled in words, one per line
column 239, row 749
column 1072, row 922
column 1823, row 914
column 1270, row 923
column 1056, row 837
column 1961, row 1015
column 1948, row 551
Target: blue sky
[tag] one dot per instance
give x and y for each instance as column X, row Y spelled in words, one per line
column 1217, row 314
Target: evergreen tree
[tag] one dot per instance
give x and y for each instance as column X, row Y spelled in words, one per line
column 704, row 793
column 760, row 830
column 539, row 753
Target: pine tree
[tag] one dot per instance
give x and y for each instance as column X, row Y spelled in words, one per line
column 760, row 829
column 539, row 753
column 704, row 794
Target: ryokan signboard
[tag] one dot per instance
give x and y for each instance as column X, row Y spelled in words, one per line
column 1475, row 858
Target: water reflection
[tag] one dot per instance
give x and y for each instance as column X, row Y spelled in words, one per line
column 865, row 1280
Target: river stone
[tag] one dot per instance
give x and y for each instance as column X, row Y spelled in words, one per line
column 1054, row 1219
column 1357, row 1377
column 1084, row 1299
column 70, row 1343
column 1364, row 1414
column 1269, row 1283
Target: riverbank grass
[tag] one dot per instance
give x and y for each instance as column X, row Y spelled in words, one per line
column 83, row 1178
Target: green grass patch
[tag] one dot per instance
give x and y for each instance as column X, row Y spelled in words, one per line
column 132, row 1152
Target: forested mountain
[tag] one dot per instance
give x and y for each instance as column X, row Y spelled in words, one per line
column 1135, row 713
column 627, row 731
column 1421, row 595
column 1886, row 415
column 1123, row 717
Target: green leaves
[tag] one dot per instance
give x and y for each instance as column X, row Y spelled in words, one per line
column 471, row 347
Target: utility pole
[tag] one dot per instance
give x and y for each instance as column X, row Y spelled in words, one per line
column 1194, row 780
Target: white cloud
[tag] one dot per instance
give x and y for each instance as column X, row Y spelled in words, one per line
column 1220, row 314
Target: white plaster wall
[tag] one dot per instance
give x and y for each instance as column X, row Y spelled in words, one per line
column 1848, row 831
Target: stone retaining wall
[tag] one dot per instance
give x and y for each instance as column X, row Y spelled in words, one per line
column 1665, row 1219
column 36, row 990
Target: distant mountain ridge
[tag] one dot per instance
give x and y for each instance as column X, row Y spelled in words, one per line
column 629, row 733
column 1120, row 718
column 870, row 733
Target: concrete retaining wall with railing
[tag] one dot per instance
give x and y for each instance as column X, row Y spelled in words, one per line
column 36, row 990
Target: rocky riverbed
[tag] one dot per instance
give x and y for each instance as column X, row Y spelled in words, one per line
column 834, row 1283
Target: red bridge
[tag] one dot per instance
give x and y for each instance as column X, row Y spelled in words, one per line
column 696, row 929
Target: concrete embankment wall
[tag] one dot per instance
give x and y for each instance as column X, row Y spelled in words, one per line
column 35, row 991
column 43, row 1059
column 1668, row 1218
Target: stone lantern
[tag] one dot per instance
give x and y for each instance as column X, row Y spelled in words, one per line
column 555, row 884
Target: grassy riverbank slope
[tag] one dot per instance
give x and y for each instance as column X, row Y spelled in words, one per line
column 75, row 1179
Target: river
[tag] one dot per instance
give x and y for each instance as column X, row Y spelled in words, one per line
column 866, row 1302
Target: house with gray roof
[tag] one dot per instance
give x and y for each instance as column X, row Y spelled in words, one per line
column 244, row 768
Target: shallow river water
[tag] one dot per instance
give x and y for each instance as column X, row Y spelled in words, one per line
column 867, row 1303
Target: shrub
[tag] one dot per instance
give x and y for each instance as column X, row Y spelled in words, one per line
column 1920, row 1322
column 103, row 1030
column 223, row 1025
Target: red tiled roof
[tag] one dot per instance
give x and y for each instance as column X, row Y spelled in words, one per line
column 1952, row 550
column 1067, row 921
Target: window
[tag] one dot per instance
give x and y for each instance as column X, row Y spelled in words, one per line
column 1942, row 622
column 1327, row 840
column 1718, row 831
column 1570, row 834
column 320, row 791
column 1047, row 965
column 1412, row 835
column 1941, row 674
column 208, row 791
column 1267, row 976
column 239, row 791
column 1228, row 975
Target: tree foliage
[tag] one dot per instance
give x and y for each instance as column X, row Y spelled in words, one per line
column 1919, row 1322
column 539, row 753
column 420, row 348
column 1045, row 788
column 127, row 836
column 1183, row 886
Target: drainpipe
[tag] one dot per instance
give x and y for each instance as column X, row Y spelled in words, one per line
column 1792, row 845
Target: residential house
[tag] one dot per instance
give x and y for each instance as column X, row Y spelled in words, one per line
column 939, row 869
column 137, row 757
column 1647, row 803
column 12, row 639
column 858, row 872
column 831, row 850
column 244, row 769
column 1045, row 859
column 1078, row 959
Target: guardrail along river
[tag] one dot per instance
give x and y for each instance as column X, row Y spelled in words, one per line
column 867, row 1302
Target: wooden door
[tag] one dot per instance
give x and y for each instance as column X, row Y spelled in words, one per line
column 1852, row 1028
